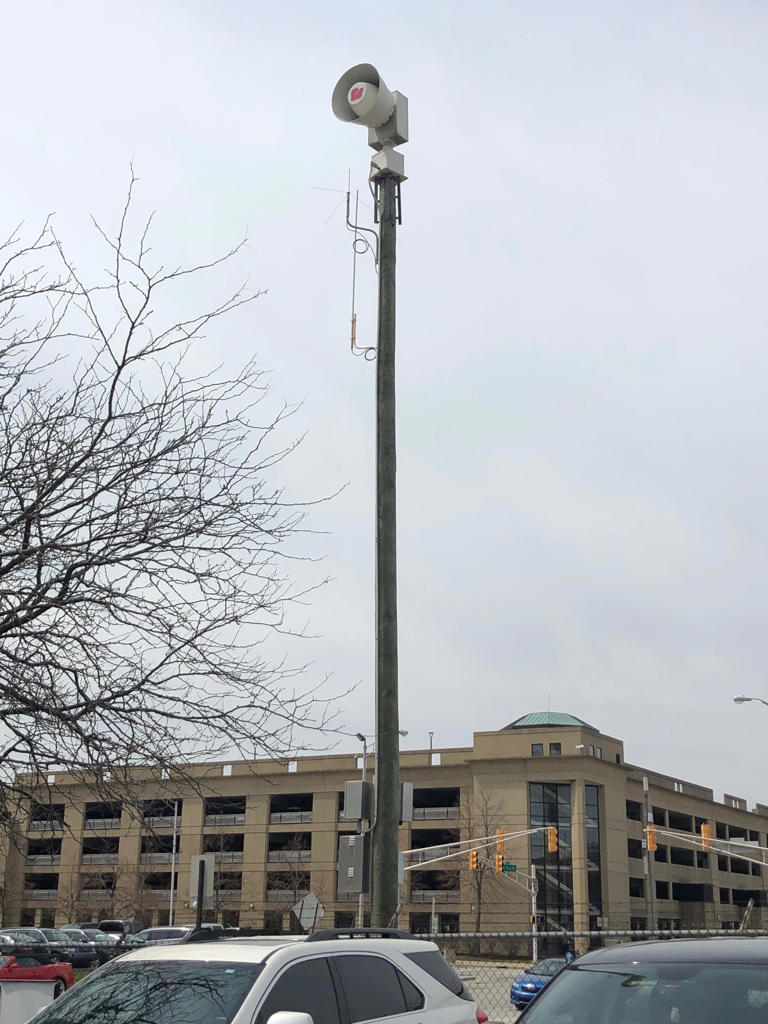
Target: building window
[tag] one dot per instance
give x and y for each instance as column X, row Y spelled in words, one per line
column 555, row 749
column 420, row 924
column 637, row 888
column 681, row 855
column 725, row 895
column 594, row 868
column 599, row 753
column 591, row 750
column 550, row 805
column 722, row 863
column 449, row 923
column 638, row 924
column 634, row 848
column 537, row 750
column 634, row 811
column 618, row 759
column 662, row 890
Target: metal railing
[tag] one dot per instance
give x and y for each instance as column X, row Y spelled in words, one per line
column 229, row 857
column 46, row 826
column 96, row 894
column 224, row 819
column 439, row 895
column 290, row 817
column 43, row 858
column 275, row 856
column 286, row 895
column 102, row 823
column 159, row 821
column 41, row 894
column 159, row 857
column 434, row 813
column 99, row 858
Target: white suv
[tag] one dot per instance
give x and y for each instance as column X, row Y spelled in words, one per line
column 331, row 977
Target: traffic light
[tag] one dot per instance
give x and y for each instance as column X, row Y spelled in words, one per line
column 499, row 862
column 651, row 838
column 473, row 860
column 706, row 836
column 552, row 840
column 500, row 841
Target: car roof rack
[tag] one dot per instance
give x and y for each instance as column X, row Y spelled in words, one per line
column 358, row 933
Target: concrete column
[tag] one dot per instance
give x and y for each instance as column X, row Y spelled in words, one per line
column 324, row 843
column 254, row 860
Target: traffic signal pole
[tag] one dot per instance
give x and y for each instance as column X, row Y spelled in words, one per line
column 649, row 860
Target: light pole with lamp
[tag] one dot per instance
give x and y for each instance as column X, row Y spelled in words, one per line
column 746, row 700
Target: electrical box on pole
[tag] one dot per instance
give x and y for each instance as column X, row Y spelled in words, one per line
column 353, row 866
column 358, row 800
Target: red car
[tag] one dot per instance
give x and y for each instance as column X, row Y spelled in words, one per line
column 25, row 963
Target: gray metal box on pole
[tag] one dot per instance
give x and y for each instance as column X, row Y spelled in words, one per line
column 353, row 870
column 358, row 800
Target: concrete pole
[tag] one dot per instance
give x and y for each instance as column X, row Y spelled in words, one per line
column 385, row 835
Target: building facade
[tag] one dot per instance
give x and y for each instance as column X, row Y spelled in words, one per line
column 273, row 828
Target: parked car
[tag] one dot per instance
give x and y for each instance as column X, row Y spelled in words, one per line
column 163, row 936
column 106, row 945
column 685, row 981
column 30, row 964
column 528, row 985
column 85, row 952
column 333, row 976
column 34, row 938
column 65, row 946
column 121, row 927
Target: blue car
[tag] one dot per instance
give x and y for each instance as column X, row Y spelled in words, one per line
column 528, row 985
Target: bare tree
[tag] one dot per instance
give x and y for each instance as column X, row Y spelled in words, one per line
column 142, row 534
column 480, row 817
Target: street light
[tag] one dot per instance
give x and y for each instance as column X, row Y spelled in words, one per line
column 745, row 700
column 361, row 97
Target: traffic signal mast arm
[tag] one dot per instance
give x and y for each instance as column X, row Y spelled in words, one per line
column 466, row 845
column 706, row 843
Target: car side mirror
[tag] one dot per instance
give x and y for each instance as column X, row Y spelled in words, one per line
column 290, row 1017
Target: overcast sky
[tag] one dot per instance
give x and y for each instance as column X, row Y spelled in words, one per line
column 582, row 356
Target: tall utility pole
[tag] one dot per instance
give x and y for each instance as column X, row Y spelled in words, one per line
column 649, row 860
column 385, row 834
column 362, row 97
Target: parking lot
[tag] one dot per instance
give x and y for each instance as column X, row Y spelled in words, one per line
column 490, row 982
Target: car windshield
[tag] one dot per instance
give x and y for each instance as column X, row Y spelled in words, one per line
column 156, row 992
column 547, row 967
column 96, row 936
column 641, row 993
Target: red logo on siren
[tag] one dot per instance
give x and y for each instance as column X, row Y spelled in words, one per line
column 356, row 93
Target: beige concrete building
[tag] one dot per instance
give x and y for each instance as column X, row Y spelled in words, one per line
column 274, row 830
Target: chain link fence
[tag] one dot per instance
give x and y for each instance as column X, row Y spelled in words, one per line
column 490, row 962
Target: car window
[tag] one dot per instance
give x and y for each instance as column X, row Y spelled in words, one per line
column 27, row 961
column 371, row 985
column 305, row 987
column 431, row 961
column 547, row 967
column 647, row 994
column 184, row 992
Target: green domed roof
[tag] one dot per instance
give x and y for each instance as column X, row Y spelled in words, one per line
column 547, row 718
